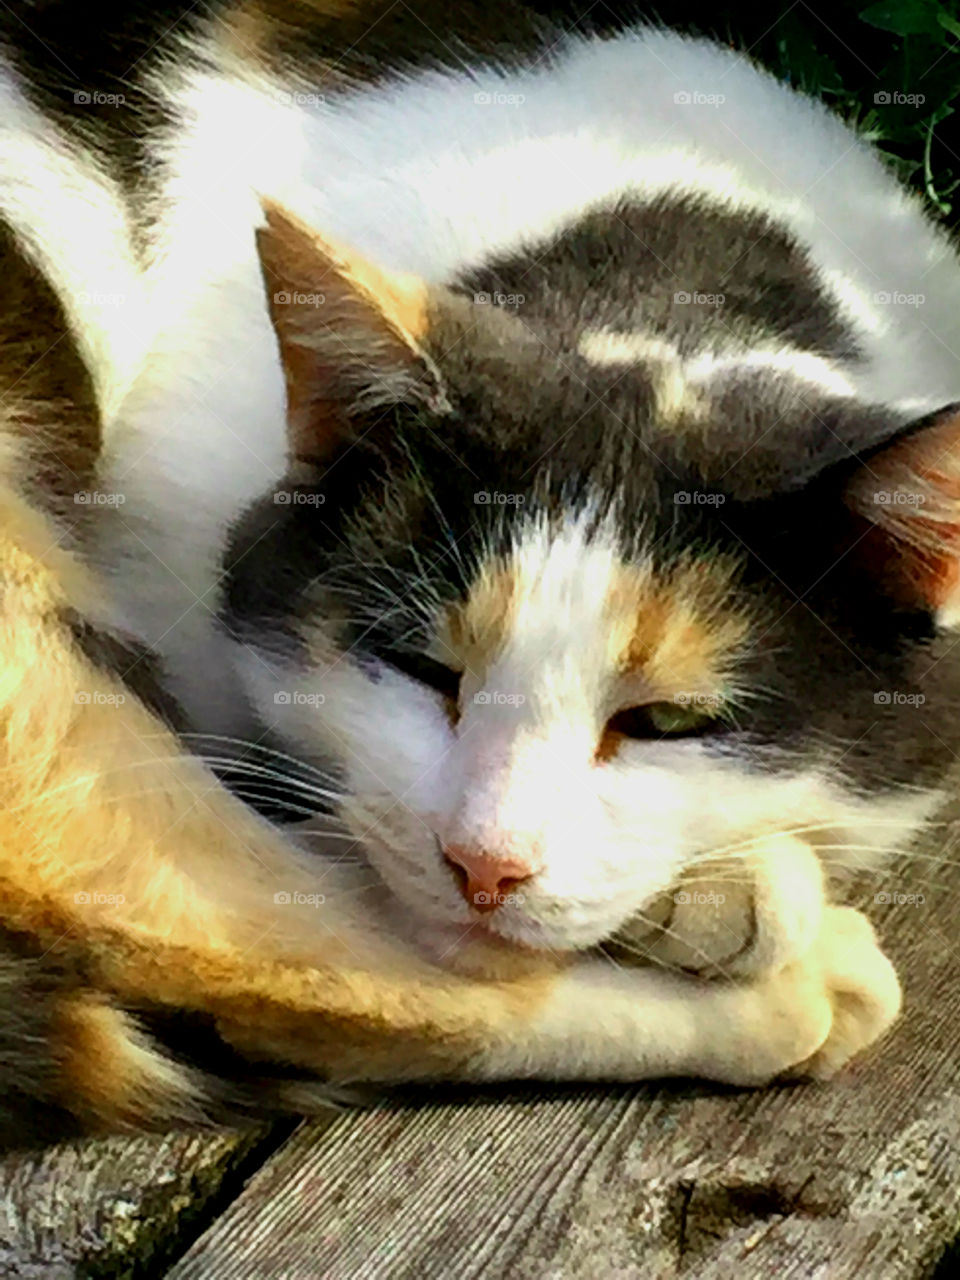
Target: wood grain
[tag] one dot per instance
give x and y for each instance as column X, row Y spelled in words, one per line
column 112, row 1207
column 860, row 1177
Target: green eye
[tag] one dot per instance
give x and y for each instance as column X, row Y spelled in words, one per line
column 677, row 717
column 666, row 719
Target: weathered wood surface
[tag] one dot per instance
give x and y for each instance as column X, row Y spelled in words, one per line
column 857, row 1178
column 860, row 1177
column 115, row 1207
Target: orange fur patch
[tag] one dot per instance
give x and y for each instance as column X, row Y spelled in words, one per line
column 679, row 633
column 250, row 28
column 910, row 495
column 110, row 1075
column 47, row 399
column 302, row 260
column 334, row 312
column 262, row 29
column 376, row 1019
column 471, row 634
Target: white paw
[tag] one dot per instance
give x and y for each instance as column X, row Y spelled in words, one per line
column 863, row 987
column 809, row 1019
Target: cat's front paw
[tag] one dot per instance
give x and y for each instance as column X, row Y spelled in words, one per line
column 810, row 1018
column 864, row 992
column 739, row 916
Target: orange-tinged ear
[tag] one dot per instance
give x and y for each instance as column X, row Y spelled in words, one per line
column 349, row 332
column 909, row 492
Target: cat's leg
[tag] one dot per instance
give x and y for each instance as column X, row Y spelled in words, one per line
column 841, row 997
column 587, row 1020
column 96, row 1062
column 739, row 916
column 107, row 1066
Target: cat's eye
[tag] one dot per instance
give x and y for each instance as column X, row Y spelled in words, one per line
column 664, row 720
column 427, row 671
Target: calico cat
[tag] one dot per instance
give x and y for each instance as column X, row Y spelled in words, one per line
column 528, row 456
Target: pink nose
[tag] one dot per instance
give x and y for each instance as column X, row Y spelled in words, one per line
column 485, row 881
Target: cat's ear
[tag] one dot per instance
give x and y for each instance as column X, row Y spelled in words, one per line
column 349, row 333
column 907, row 496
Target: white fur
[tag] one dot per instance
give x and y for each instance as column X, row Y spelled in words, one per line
column 601, row 1021
column 421, row 176
column 685, row 376
column 69, row 215
column 519, row 778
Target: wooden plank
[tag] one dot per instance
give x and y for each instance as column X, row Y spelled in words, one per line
column 114, row 1207
column 860, row 1177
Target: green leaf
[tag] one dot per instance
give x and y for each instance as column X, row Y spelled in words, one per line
column 949, row 24
column 801, row 63
column 904, row 18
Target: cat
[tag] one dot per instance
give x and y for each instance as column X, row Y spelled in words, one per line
column 526, row 456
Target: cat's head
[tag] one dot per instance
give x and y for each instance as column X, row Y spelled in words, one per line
column 565, row 609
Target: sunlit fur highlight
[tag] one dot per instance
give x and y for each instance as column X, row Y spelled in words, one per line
column 668, row 631
column 910, row 496
column 678, row 631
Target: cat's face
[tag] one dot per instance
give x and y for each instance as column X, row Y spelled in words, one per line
column 557, row 650
column 540, row 747
column 567, row 737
